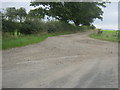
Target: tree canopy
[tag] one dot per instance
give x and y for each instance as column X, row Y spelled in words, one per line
column 14, row 14
column 79, row 12
column 21, row 14
column 16, row 21
column 11, row 13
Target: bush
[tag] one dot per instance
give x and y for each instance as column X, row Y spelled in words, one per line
column 92, row 27
column 58, row 26
column 31, row 27
column 51, row 27
column 9, row 26
column 84, row 27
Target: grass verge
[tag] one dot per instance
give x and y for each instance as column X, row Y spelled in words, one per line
column 107, row 35
column 12, row 42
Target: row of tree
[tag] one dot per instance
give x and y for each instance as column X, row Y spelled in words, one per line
column 13, row 14
column 17, row 15
column 18, row 20
column 80, row 13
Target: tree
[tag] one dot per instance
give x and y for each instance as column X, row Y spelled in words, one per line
column 37, row 13
column 31, row 26
column 21, row 14
column 14, row 14
column 79, row 12
column 9, row 20
column 11, row 14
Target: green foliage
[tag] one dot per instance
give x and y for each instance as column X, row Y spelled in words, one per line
column 21, row 14
column 79, row 12
column 9, row 26
column 84, row 27
column 58, row 26
column 92, row 27
column 37, row 13
column 107, row 35
column 11, row 13
column 31, row 27
column 10, row 19
column 14, row 14
column 51, row 27
column 27, row 24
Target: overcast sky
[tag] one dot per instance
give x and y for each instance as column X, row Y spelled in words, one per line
column 110, row 17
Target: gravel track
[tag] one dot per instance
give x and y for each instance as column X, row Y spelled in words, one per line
column 66, row 61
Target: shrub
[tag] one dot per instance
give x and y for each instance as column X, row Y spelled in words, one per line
column 59, row 26
column 9, row 26
column 92, row 27
column 84, row 27
column 31, row 26
column 51, row 27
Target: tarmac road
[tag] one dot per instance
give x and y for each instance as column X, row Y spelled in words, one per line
column 66, row 61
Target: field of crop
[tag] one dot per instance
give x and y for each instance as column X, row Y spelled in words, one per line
column 107, row 35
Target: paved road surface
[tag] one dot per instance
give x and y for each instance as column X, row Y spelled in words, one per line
column 67, row 61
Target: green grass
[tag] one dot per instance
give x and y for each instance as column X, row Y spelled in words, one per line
column 12, row 41
column 107, row 35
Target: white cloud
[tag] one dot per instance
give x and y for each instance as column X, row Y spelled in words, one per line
column 110, row 17
column 114, row 0
column 55, row 0
column 107, row 26
column 15, row 0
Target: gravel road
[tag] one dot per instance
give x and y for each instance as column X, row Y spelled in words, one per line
column 66, row 61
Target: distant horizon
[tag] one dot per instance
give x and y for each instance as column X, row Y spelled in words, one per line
column 108, row 29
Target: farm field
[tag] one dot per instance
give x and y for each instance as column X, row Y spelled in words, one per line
column 107, row 35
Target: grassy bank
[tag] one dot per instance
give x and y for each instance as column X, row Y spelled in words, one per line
column 107, row 35
column 27, row 33
column 23, row 40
